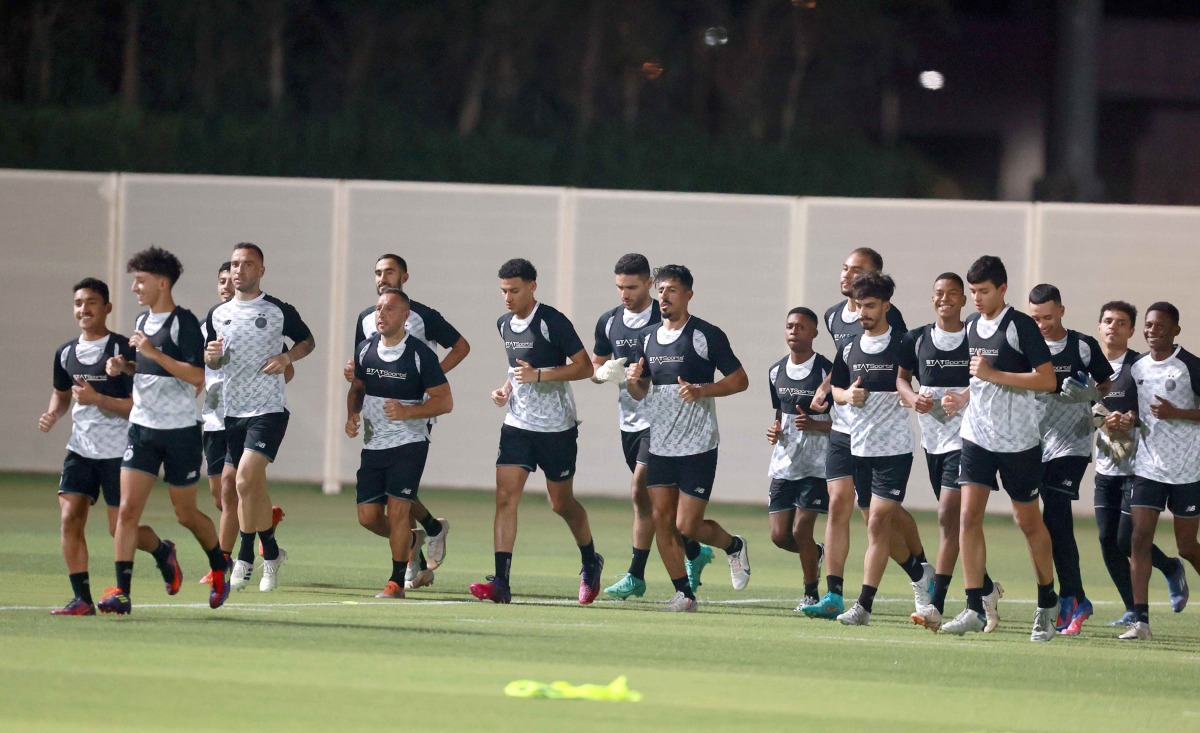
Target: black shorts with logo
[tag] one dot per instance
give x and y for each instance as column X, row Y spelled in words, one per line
column 692, row 475
column 1113, row 492
column 635, row 446
column 1064, row 474
column 810, row 494
column 214, row 451
column 259, row 433
column 392, row 473
column 841, row 463
column 1020, row 472
column 888, row 475
column 943, row 471
column 91, row 476
column 176, row 451
column 1182, row 499
column 554, row 453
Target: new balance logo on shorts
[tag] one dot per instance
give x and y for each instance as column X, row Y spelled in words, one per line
column 701, row 491
column 895, row 492
column 1192, row 508
column 564, row 473
column 260, row 445
column 1068, row 482
column 193, row 474
column 406, row 491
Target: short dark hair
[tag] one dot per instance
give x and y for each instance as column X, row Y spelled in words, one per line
column 394, row 258
column 253, row 248
column 518, row 267
column 988, row 268
column 873, row 285
column 1120, row 306
column 226, row 266
column 633, row 264
column 875, row 258
column 97, row 286
column 156, row 261
column 674, row 272
column 807, row 313
column 1045, row 293
column 1165, row 307
column 952, row 277
column 396, row 291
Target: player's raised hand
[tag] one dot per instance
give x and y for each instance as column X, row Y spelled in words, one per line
column 525, row 373
column 773, row 432
column 212, row 352
column 352, row 424
column 688, row 391
column 634, row 370
column 1165, row 409
column 46, row 421
column 954, row 402
column 981, row 368
column 819, row 399
column 85, row 393
column 115, row 366
column 500, row 396
column 348, row 371
column 923, row 403
column 803, row 421
column 277, row 364
column 141, row 342
column 393, row 410
column 856, row 394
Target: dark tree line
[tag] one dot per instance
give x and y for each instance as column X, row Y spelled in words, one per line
column 767, row 74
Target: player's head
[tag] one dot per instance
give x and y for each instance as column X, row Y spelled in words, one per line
column 246, row 267
column 224, row 282
column 949, row 295
column 1117, row 319
column 155, row 272
column 91, row 304
column 633, row 281
column 674, row 285
column 1045, row 307
column 861, row 260
column 873, row 292
column 1161, row 326
column 518, row 282
column 988, row 281
column 800, row 329
column 391, row 271
column 391, row 312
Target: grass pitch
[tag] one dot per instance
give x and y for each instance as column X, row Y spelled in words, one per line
column 322, row 654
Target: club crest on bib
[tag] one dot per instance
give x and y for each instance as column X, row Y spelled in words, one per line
column 260, row 322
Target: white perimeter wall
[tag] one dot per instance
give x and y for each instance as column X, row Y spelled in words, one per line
column 753, row 257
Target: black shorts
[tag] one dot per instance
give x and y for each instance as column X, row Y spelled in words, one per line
column 636, row 447
column 1064, row 475
column 693, row 475
column 1020, row 472
column 1182, row 499
column 841, row 463
column 943, row 471
column 554, row 453
column 89, row 476
column 177, row 452
column 1113, row 492
column 888, row 475
column 810, row 494
column 214, row 451
column 260, row 434
column 392, row 473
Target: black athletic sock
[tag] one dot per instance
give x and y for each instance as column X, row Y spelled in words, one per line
column 1160, row 561
column 866, row 597
column 941, row 586
column 432, row 526
column 587, row 553
column 1143, row 612
column 975, row 599
column 921, row 557
column 503, row 566
column 834, row 584
column 637, row 566
column 913, row 568
column 124, row 575
column 683, row 586
column 217, row 560
column 691, row 549
column 811, row 589
column 161, row 553
column 988, row 584
column 270, row 546
column 1046, row 596
column 246, row 549
column 398, row 569
column 734, row 546
column 81, row 586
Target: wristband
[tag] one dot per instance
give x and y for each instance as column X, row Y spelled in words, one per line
column 539, row 371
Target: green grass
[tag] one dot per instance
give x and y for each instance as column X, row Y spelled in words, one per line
column 339, row 660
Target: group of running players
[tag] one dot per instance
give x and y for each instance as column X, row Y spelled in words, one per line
column 1001, row 394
